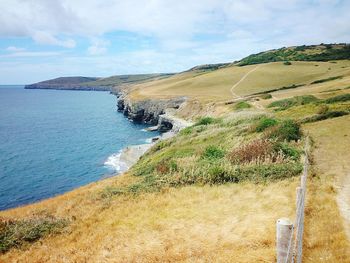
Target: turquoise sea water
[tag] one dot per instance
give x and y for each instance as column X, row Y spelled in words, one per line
column 53, row 141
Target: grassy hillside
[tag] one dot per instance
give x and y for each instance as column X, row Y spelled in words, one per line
column 214, row 191
column 322, row 52
column 87, row 83
column 216, row 86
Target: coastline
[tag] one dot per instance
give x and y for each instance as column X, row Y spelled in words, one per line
column 160, row 113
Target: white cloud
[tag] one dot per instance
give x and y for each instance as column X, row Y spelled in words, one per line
column 181, row 33
column 98, row 47
column 174, row 23
column 43, row 37
column 23, row 54
column 14, row 49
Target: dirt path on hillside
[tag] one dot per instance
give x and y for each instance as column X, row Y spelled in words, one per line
column 236, row 96
column 331, row 155
column 343, row 200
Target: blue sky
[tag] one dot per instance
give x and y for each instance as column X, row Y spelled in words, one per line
column 42, row 39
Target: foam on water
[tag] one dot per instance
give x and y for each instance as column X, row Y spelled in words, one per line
column 149, row 140
column 113, row 161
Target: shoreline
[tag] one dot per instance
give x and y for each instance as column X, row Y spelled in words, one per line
column 128, row 156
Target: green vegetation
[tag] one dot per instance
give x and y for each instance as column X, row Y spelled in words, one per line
column 242, row 105
column 324, row 116
column 212, row 152
column 327, row 79
column 339, row 98
column 17, row 233
column 266, row 96
column 293, row 86
column 323, row 52
column 206, row 121
column 88, row 83
column 287, row 63
column 287, row 103
column 265, row 123
column 287, row 130
column 209, row 67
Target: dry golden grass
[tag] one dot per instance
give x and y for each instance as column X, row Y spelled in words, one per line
column 332, row 140
column 227, row 223
column 216, row 85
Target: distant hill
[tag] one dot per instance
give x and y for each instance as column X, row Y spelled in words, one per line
column 90, row 83
column 322, row 52
column 209, row 67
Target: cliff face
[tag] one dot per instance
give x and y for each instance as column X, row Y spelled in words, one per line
column 147, row 111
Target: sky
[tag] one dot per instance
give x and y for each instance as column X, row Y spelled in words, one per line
column 43, row 39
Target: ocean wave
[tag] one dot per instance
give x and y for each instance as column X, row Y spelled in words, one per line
column 113, row 162
column 148, row 140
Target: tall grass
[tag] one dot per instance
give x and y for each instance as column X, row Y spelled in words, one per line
column 16, row 233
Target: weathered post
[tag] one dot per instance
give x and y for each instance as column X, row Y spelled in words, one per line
column 303, row 182
column 297, row 222
column 284, row 246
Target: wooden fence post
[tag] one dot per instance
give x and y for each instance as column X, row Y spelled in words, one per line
column 284, row 230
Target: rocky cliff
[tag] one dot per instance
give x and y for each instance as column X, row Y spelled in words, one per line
column 147, row 111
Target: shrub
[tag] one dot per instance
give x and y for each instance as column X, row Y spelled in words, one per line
column 257, row 150
column 213, row 152
column 339, row 98
column 206, row 121
column 163, row 167
column 264, row 123
column 15, row 233
column 282, row 104
column 218, row 175
column 242, row 105
column 287, row 151
column 327, row 79
column 322, row 109
column 266, row 96
column 287, row 63
column 287, row 130
column 298, row 100
column 271, row 172
column 186, row 131
column 324, row 116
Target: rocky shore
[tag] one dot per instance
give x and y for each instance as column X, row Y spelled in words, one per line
column 160, row 113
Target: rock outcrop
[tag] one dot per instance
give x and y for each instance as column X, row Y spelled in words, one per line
column 147, row 111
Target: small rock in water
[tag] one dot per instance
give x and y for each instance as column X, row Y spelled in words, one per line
column 154, row 139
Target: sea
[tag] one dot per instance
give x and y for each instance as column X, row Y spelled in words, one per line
column 52, row 141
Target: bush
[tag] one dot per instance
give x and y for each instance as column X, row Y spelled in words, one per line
column 271, row 172
column 266, row 96
column 287, row 130
column 288, row 151
column 322, row 109
column 186, row 131
column 257, row 150
column 327, row 79
column 163, row 168
column 324, row 116
column 265, row 123
column 298, row 100
column 287, row 63
column 339, row 98
column 15, row 233
column 242, row 105
column 213, row 152
column 206, row 121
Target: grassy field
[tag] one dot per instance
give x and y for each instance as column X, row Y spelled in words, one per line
column 198, row 222
column 216, row 85
column 213, row 192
